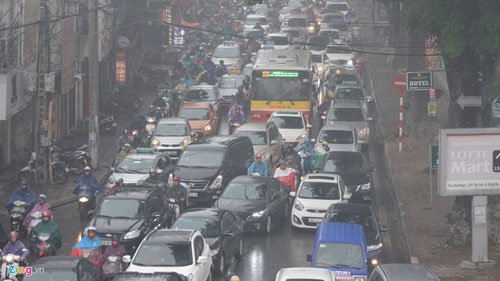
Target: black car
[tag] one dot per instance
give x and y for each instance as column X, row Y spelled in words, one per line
column 365, row 216
column 63, row 268
column 157, row 276
column 130, row 212
column 352, row 167
column 222, row 230
column 317, row 43
column 260, row 201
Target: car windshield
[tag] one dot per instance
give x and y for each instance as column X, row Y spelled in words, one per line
column 346, row 114
column 122, row 208
column 365, row 220
column 276, row 40
column 337, row 7
column 338, row 49
column 197, row 95
column 337, row 136
column 333, row 18
column 317, row 58
column 353, row 165
column 231, row 82
column 247, row 191
column 256, row 137
column 341, row 255
column 252, row 33
column 201, row 158
column 284, row 122
column 318, row 43
column 319, row 190
column 349, row 93
column 293, row 33
column 135, row 166
column 254, row 21
column 52, row 274
column 175, row 254
column 194, row 113
column 297, row 22
column 226, row 52
column 339, row 26
column 331, row 34
column 209, row 227
column 171, row 130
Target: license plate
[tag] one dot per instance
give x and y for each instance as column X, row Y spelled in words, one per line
column 193, row 194
column 172, row 153
column 314, row 220
column 106, row 242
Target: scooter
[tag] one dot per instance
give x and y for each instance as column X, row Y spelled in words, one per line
column 150, row 128
column 75, row 161
column 107, row 124
column 43, row 245
column 17, row 214
column 233, row 126
column 112, row 265
column 84, row 202
column 36, row 217
column 10, row 262
column 29, row 172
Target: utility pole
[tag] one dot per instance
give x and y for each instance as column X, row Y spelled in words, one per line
column 93, row 84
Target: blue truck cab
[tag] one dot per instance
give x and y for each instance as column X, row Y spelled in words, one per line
column 341, row 248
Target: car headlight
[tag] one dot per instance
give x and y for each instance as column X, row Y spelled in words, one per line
column 298, row 205
column 207, row 128
column 190, row 277
column 320, row 69
column 155, row 142
column 366, row 186
column 132, row 234
column 372, row 248
column 258, row 214
column 301, row 137
column 111, row 180
column 359, row 278
column 217, row 184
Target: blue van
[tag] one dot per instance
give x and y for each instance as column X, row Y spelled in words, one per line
column 341, row 247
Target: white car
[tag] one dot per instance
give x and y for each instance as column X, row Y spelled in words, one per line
column 278, row 40
column 293, row 126
column 313, row 197
column 340, row 56
column 321, row 60
column 253, row 19
column 181, row 251
column 305, row 273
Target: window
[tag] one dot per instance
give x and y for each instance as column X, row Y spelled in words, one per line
column 245, row 191
column 165, row 130
column 273, row 133
column 194, row 113
column 198, row 247
column 227, row 222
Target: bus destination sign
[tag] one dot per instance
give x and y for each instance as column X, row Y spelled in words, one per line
column 280, row 74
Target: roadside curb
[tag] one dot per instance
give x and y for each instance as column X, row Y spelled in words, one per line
column 65, row 201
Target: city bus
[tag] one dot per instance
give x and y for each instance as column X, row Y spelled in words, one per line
column 281, row 80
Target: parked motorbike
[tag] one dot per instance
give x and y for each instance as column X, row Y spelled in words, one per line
column 43, row 245
column 17, row 214
column 75, row 161
column 84, row 202
column 29, row 172
column 112, row 265
column 36, row 217
column 10, row 262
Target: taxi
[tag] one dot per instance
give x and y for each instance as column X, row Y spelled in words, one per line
column 232, row 54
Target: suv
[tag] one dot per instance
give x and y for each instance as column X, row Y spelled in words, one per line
column 340, row 137
column 171, row 136
column 207, row 165
column 402, row 272
column 351, row 113
column 314, row 195
column 356, row 174
column 232, row 54
column 340, row 247
column 205, row 93
column 266, row 140
column 134, row 169
column 292, row 125
column 131, row 213
column 364, row 215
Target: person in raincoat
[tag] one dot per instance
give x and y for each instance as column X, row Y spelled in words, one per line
column 318, row 160
column 308, row 150
column 24, row 194
column 89, row 247
column 114, row 250
column 47, row 225
column 40, row 206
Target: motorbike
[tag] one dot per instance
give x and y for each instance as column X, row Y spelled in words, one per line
column 150, row 128
column 43, row 245
column 10, row 262
column 107, row 124
column 84, row 202
column 75, row 161
column 36, row 217
column 112, row 265
column 29, row 173
column 173, row 211
column 233, row 126
column 92, row 254
column 17, row 214
column 161, row 112
column 176, row 102
column 356, row 34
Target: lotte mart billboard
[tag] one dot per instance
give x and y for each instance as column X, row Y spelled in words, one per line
column 469, row 161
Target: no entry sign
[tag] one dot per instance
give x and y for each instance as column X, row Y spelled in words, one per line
column 399, row 83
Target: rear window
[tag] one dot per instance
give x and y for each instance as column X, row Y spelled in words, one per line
column 297, row 22
column 337, row 7
column 277, row 40
column 332, row 34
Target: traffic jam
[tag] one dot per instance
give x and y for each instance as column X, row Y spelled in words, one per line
column 267, row 127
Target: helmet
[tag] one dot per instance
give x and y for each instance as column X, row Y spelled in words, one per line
column 240, row 88
column 119, row 180
column 193, row 134
column 115, row 238
column 151, row 107
column 307, row 140
column 91, row 228
column 282, row 162
column 127, row 145
column 238, row 107
column 258, row 156
column 152, row 171
column 324, row 143
column 13, row 234
column 24, row 182
column 234, row 278
column 247, row 78
column 46, row 213
column 177, row 178
column 221, row 61
column 43, row 196
column 331, row 94
column 87, row 168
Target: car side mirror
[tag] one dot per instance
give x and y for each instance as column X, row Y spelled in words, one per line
column 323, row 117
column 229, row 234
column 347, row 196
column 112, row 169
column 384, row 228
column 202, row 259
column 274, row 142
column 309, row 258
column 159, row 171
column 126, row 259
column 292, row 194
column 372, row 169
column 309, row 126
column 369, row 98
column 369, row 118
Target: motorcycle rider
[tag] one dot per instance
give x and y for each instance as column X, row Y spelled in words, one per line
column 92, row 243
column 210, row 68
column 241, row 98
column 177, row 192
column 290, row 155
column 87, row 179
column 127, row 149
column 122, row 140
column 159, row 102
column 114, row 250
column 258, row 167
column 221, row 69
column 308, row 150
column 232, row 109
column 318, row 159
column 155, row 179
column 47, row 225
column 15, row 247
column 24, row 194
column 181, row 86
column 237, row 117
column 118, row 183
column 285, row 175
column 40, row 206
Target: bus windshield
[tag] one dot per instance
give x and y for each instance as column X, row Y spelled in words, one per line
column 277, row 89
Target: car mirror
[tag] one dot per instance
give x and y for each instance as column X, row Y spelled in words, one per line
column 369, row 98
column 372, row 169
column 159, row 171
column 347, row 196
column 126, row 259
column 202, row 259
column 323, row 117
column 274, row 142
column 384, row 228
column 369, row 119
column 229, row 234
column 292, row 194
column 309, row 126
column 309, row 258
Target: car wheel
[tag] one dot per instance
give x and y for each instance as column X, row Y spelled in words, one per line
column 239, row 254
column 221, row 264
column 269, row 225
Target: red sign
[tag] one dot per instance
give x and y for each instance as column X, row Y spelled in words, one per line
column 399, row 83
column 432, row 94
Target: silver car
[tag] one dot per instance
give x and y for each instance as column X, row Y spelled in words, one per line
column 353, row 92
column 228, row 86
column 351, row 113
column 340, row 137
column 171, row 136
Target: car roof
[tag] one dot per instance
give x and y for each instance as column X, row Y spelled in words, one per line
column 407, row 272
column 357, row 208
column 321, row 177
column 309, row 272
column 57, row 262
column 202, row 213
column 202, row 86
column 337, row 126
column 255, row 16
column 250, row 179
column 128, row 192
column 340, row 232
column 153, row 155
column 297, row 16
column 347, row 103
column 169, row 236
column 278, row 34
column 342, row 86
column 196, row 105
column 217, row 141
column 173, row 121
